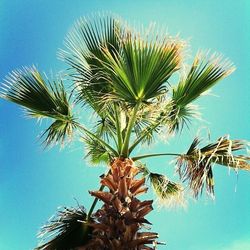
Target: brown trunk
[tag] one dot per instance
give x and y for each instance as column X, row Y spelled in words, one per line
column 121, row 217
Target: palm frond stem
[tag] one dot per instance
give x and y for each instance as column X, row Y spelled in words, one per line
column 143, row 135
column 153, row 155
column 125, row 148
column 97, row 138
column 118, row 128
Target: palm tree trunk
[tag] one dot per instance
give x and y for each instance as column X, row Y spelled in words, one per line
column 120, row 219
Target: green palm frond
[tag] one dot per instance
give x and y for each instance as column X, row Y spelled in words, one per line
column 89, row 35
column 105, row 124
column 58, row 132
column 111, row 61
column 138, row 71
column 147, row 117
column 27, row 88
column 168, row 192
column 196, row 165
column 84, row 51
column 41, row 99
column 105, row 128
column 151, row 121
column 96, row 151
column 181, row 116
column 67, row 230
column 204, row 73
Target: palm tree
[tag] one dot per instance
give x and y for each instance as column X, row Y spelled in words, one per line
column 125, row 77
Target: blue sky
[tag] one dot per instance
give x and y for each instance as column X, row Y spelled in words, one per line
column 34, row 182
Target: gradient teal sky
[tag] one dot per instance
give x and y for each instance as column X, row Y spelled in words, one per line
column 33, row 182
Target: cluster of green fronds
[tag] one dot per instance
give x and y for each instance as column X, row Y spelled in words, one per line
column 117, row 71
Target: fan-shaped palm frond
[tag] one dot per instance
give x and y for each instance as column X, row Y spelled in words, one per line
column 41, row 99
column 203, row 74
column 84, row 51
column 58, row 132
column 168, row 192
column 138, row 71
column 68, row 230
column 196, row 165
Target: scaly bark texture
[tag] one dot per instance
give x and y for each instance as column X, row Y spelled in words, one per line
column 121, row 218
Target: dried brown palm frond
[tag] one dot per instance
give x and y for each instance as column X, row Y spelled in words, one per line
column 196, row 165
column 66, row 231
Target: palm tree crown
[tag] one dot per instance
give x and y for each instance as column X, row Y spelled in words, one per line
column 125, row 77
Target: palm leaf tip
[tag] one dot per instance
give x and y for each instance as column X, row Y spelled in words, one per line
column 168, row 192
column 66, row 231
column 196, row 165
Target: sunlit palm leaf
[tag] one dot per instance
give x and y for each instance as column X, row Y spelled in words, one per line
column 168, row 192
column 41, row 99
column 203, row 74
column 181, row 116
column 58, row 132
column 153, row 118
column 66, row 231
column 84, row 51
column 105, row 125
column 196, row 165
column 146, row 118
column 138, row 71
column 96, row 151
